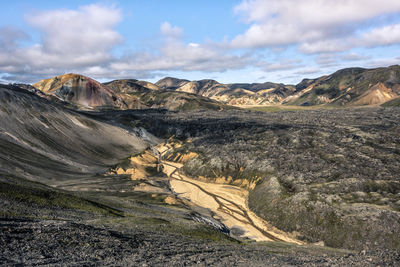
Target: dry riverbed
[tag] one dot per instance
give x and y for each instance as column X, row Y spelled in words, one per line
column 224, row 203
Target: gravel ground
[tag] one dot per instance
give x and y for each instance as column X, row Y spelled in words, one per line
column 61, row 243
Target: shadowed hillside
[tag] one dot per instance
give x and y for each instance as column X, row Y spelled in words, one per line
column 131, row 86
column 140, row 94
column 40, row 139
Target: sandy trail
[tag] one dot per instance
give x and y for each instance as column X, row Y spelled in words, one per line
column 227, row 203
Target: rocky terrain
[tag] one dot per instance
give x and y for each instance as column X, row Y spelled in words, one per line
column 59, row 243
column 86, row 183
column 329, row 180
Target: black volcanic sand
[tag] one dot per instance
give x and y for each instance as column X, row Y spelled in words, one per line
column 58, row 243
column 58, row 205
column 331, row 175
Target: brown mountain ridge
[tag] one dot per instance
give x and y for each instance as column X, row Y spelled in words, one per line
column 346, row 87
column 85, row 93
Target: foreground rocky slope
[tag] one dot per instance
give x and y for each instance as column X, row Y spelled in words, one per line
column 61, row 206
column 308, row 172
column 39, row 244
column 40, row 139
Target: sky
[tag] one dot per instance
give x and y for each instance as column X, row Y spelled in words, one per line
column 226, row 40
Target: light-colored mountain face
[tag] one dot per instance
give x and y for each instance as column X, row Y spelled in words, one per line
column 169, row 83
column 232, row 94
column 350, row 87
column 148, row 85
column 378, row 94
column 127, row 86
column 346, row 87
column 80, row 90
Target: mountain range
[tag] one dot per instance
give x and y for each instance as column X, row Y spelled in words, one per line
column 346, row 87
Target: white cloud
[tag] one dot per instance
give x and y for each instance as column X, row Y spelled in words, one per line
column 171, row 31
column 174, row 54
column 325, row 46
column 82, row 31
column 82, row 40
column 315, row 12
column 259, row 35
column 280, row 66
column 326, row 59
column 353, row 57
column 308, row 70
column 316, row 25
column 70, row 40
column 67, row 46
column 382, row 36
column 382, row 62
column 10, row 37
column 179, row 56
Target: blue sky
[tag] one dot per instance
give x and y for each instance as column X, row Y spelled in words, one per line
column 230, row 41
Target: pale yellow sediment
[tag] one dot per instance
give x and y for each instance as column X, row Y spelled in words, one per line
column 234, row 200
column 226, row 199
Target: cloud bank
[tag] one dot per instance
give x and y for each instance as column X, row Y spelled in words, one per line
column 324, row 33
column 316, row 25
column 70, row 40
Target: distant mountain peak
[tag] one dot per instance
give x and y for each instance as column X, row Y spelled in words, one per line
column 80, row 90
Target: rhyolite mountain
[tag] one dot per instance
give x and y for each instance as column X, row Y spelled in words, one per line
column 128, row 90
column 85, row 93
column 349, row 87
column 80, row 90
column 141, row 94
column 232, row 94
column 346, row 87
column 127, row 86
